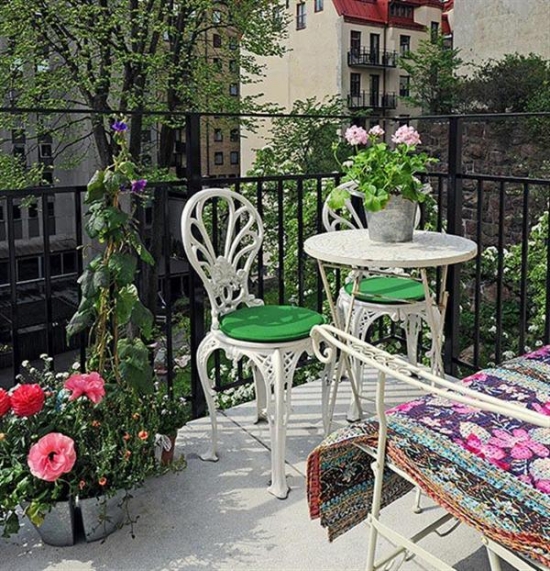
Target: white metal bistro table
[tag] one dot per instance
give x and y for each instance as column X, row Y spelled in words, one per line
column 353, row 249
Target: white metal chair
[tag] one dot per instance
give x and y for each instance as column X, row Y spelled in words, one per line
column 397, row 296
column 271, row 337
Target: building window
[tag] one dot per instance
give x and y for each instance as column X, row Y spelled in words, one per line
column 34, row 225
column 400, row 11
column 216, row 17
column 218, row 158
column 217, row 64
column 355, row 84
column 47, row 178
column 434, row 31
column 28, row 269
column 233, row 67
column 234, row 135
column 319, row 5
column 233, row 43
column 301, row 16
column 355, row 42
column 404, row 45
column 234, row 89
column 217, row 41
column 4, row 273
column 20, row 152
column 404, row 85
column 45, row 150
column 218, row 135
column 234, row 157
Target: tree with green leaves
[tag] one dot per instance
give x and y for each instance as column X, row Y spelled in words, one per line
column 432, row 69
column 514, row 83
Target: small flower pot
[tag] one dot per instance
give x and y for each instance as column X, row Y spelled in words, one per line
column 394, row 223
column 167, row 455
column 102, row 515
column 58, row 526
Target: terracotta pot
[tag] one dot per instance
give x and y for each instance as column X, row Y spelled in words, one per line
column 167, row 456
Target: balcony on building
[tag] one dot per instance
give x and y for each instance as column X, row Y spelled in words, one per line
column 364, row 57
column 372, row 100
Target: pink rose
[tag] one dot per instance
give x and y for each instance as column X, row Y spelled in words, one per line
column 356, row 135
column 27, row 400
column 406, row 135
column 376, row 131
column 5, row 402
column 52, row 456
column 90, row 385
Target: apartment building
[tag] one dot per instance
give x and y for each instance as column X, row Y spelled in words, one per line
column 349, row 48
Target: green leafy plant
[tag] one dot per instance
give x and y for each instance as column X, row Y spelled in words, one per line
column 381, row 171
column 119, row 323
column 65, row 436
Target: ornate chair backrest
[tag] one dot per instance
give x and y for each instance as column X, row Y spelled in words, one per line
column 222, row 233
column 334, row 220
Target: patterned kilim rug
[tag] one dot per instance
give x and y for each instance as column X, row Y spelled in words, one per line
column 490, row 471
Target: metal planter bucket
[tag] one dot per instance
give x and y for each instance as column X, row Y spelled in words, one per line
column 58, row 525
column 395, row 223
column 102, row 515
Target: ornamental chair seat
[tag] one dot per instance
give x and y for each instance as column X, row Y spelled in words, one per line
column 397, row 296
column 272, row 338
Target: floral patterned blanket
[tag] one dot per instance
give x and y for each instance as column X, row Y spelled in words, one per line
column 490, row 471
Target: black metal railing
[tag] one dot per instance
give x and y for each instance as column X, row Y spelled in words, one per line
column 364, row 57
column 34, row 312
column 372, row 100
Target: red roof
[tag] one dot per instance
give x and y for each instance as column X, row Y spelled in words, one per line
column 370, row 11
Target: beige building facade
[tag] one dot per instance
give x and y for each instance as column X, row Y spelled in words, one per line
column 490, row 29
column 344, row 48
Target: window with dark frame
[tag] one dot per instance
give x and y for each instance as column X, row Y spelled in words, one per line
column 234, row 89
column 217, row 62
column 234, row 157
column 300, row 16
column 218, row 135
column 217, row 40
column 218, row 158
column 216, row 17
column 404, row 45
column 400, row 11
column 355, row 84
column 233, row 67
column 434, row 31
column 45, row 150
column 355, row 42
column 404, row 85
column 234, row 135
column 319, row 5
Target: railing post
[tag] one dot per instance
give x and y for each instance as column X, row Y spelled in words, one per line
column 15, row 348
column 454, row 226
column 196, row 291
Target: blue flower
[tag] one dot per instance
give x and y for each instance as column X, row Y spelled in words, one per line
column 119, row 126
column 138, row 186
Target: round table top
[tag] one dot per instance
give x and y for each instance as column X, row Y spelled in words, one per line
column 354, row 248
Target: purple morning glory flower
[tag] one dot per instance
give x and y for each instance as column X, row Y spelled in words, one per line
column 119, row 126
column 138, row 186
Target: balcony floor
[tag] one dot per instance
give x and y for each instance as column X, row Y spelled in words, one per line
column 219, row 516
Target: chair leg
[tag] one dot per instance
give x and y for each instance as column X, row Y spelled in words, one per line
column 412, row 324
column 206, row 348
column 261, row 395
column 354, row 412
column 278, row 407
column 494, row 560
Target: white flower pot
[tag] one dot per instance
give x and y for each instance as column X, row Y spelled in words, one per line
column 58, row 526
column 102, row 515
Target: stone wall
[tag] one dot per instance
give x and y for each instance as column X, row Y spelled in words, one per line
column 500, row 148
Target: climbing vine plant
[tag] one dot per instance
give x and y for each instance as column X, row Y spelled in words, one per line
column 110, row 309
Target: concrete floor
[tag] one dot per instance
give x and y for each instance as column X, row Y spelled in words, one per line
column 219, row 516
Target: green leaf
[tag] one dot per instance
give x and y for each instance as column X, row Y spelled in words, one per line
column 140, row 249
column 101, row 277
column 79, row 322
column 338, row 198
column 142, row 318
column 125, row 301
column 114, row 181
column 123, row 268
column 128, row 169
column 135, row 368
column 96, row 189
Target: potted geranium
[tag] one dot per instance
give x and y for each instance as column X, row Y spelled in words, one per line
column 64, row 439
column 387, row 177
column 173, row 413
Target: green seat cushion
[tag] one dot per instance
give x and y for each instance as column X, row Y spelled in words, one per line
column 270, row 323
column 388, row 289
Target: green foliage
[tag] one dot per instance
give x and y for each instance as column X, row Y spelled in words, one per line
column 515, row 83
column 110, row 303
column 307, row 141
column 15, row 174
column 432, row 69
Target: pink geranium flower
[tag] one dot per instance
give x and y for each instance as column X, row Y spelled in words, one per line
column 356, row 135
column 522, row 447
column 406, row 135
column 89, row 385
column 376, row 131
column 52, row 456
